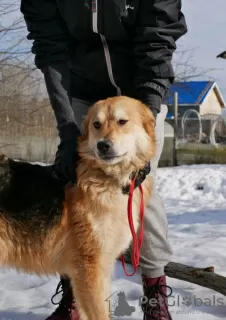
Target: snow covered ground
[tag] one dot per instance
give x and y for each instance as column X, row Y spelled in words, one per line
column 195, row 201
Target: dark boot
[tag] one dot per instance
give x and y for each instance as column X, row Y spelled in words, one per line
column 66, row 309
column 156, row 289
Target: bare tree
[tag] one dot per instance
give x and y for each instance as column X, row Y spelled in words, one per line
column 185, row 68
column 26, row 119
column 18, row 75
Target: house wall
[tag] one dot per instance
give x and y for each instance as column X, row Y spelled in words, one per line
column 211, row 104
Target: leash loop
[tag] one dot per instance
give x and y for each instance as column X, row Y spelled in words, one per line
column 137, row 239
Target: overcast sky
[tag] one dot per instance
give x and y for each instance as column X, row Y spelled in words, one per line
column 206, row 20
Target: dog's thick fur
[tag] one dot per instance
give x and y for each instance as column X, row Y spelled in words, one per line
column 91, row 230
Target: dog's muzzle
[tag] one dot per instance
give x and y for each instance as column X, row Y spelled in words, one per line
column 105, row 149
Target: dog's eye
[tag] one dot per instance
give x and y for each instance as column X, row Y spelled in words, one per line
column 121, row 122
column 96, row 125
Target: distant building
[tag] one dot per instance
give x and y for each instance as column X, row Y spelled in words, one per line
column 203, row 96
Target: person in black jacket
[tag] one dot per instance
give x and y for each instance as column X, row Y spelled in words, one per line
column 93, row 49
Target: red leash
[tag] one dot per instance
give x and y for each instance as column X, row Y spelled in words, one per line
column 137, row 240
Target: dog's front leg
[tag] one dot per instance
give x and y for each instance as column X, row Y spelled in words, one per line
column 89, row 289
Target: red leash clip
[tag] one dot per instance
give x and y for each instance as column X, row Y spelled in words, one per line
column 137, row 240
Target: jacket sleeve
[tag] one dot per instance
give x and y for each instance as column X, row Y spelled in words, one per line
column 47, row 30
column 159, row 24
column 50, row 47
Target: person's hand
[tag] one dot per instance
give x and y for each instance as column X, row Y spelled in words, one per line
column 140, row 177
column 66, row 161
column 151, row 99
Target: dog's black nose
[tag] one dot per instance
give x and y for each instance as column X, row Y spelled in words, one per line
column 104, row 145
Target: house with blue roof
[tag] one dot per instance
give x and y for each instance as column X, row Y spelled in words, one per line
column 203, row 96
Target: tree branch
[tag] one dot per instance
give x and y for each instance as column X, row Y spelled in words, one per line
column 205, row 277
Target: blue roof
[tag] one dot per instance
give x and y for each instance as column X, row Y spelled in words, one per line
column 191, row 92
column 170, row 115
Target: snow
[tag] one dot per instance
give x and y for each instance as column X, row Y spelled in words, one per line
column 194, row 198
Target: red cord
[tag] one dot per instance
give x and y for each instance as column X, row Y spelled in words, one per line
column 137, row 240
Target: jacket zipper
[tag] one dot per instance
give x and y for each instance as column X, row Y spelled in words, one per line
column 94, row 15
column 105, row 46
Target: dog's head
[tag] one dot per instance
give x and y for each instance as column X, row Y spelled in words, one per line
column 117, row 130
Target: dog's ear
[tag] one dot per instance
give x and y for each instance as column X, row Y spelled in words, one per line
column 148, row 121
column 85, row 128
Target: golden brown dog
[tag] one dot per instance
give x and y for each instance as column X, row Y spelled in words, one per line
column 93, row 228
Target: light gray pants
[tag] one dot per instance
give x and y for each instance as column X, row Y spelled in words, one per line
column 156, row 251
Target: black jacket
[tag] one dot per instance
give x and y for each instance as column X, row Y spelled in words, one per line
column 126, row 43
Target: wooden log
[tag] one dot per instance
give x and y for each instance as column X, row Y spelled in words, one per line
column 205, row 277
